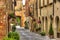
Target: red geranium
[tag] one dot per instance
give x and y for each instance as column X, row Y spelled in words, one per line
column 39, row 21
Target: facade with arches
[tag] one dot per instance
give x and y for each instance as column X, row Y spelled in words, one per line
column 49, row 12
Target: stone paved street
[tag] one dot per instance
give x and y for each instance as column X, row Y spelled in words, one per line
column 27, row 35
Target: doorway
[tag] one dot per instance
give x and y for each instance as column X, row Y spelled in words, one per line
column 43, row 23
column 46, row 24
column 57, row 25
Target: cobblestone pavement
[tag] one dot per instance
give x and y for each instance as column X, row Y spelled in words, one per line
column 27, row 35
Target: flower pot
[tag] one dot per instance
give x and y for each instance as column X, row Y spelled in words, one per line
column 43, row 33
column 51, row 36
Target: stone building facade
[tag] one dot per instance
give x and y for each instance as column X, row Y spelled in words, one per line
column 48, row 11
column 20, row 12
column 4, row 10
column 27, row 7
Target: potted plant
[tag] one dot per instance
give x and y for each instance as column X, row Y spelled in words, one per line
column 35, row 26
column 38, row 29
column 26, row 25
column 43, row 33
column 14, row 35
column 51, row 33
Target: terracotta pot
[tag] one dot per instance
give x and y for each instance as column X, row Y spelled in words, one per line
column 51, row 36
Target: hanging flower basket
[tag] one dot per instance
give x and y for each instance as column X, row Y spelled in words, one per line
column 39, row 21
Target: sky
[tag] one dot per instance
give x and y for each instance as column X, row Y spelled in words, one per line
column 23, row 1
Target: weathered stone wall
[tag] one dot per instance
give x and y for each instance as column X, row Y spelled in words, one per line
column 45, row 8
column 3, row 23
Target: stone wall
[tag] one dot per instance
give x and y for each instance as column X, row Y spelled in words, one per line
column 3, row 24
column 45, row 8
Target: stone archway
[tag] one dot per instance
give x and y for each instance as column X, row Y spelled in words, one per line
column 18, row 18
column 57, row 25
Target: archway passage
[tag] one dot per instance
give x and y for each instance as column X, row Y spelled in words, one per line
column 57, row 25
column 18, row 19
column 43, row 23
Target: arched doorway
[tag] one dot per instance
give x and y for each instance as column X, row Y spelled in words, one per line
column 57, row 25
column 51, row 31
column 46, row 24
column 43, row 23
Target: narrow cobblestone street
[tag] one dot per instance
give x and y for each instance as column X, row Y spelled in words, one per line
column 27, row 35
column 24, row 19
